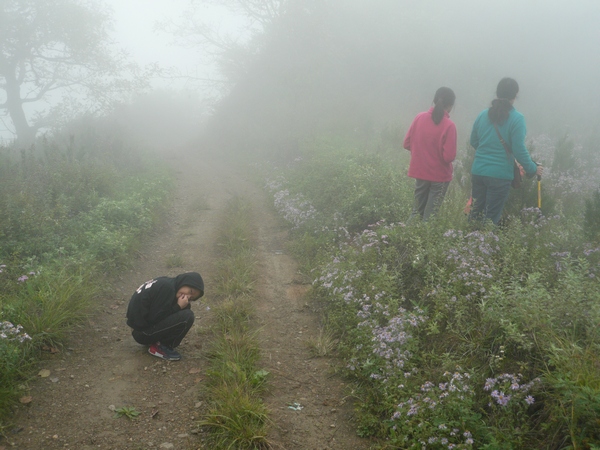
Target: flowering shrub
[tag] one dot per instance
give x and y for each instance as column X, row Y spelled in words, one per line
column 391, row 343
column 571, row 174
column 11, row 332
column 14, row 359
column 411, row 303
column 507, row 408
column 295, row 209
column 471, row 262
column 437, row 415
column 347, row 187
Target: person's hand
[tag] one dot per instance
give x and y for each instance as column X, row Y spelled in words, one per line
column 539, row 171
column 183, row 300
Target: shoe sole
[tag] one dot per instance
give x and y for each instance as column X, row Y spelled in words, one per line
column 165, row 357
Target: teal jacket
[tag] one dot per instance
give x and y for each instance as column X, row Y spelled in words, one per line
column 491, row 159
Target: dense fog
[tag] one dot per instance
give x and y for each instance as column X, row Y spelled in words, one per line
column 371, row 64
column 548, row 46
column 301, row 67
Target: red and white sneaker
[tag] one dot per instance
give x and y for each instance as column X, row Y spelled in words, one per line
column 164, row 352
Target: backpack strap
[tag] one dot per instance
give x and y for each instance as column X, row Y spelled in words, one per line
column 504, row 144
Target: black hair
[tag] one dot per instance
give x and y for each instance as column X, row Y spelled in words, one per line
column 506, row 91
column 444, row 98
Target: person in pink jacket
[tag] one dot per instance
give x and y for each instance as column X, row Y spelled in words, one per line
column 431, row 141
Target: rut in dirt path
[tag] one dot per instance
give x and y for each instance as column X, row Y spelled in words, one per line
column 102, row 365
column 321, row 416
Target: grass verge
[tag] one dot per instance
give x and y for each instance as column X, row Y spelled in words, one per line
column 236, row 416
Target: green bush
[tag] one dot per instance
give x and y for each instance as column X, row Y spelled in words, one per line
column 482, row 338
column 349, row 186
column 70, row 214
column 15, row 361
column 591, row 218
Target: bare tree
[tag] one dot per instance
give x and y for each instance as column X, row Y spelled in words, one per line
column 232, row 53
column 58, row 52
column 261, row 11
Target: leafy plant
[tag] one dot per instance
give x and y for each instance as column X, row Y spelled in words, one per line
column 16, row 359
column 564, row 158
column 591, row 217
column 515, row 307
column 127, row 411
column 259, row 378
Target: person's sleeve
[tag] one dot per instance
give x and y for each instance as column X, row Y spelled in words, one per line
column 175, row 306
column 406, row 144
column 520, row 152
column 449, row 145
column 474, row 140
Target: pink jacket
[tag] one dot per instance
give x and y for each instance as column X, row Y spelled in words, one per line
column 432, row 148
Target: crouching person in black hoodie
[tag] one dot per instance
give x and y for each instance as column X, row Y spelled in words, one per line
column 160, row 312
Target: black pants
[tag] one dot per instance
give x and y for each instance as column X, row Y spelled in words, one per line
column 169, row 331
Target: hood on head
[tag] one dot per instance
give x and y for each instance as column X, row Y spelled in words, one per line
column 192, row 279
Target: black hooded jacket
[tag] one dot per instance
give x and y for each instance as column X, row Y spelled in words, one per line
column 156, row 299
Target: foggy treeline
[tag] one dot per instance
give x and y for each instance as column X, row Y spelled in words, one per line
column 308, row 66
column 359, row 66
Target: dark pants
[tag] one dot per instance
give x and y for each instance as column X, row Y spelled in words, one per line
column 428, row 197
column 489, row 196
column 169, row 331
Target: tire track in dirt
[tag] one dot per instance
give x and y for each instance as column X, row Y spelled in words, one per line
column 103, row 366
column 287, row 321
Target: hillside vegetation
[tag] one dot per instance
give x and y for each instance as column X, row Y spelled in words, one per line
column 455, row 336
column 74, row 209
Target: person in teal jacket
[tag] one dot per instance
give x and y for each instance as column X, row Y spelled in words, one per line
column 493, row 169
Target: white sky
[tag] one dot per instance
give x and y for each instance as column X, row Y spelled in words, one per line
column 134, row 22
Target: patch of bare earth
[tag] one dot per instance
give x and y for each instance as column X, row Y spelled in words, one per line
column 102, row 368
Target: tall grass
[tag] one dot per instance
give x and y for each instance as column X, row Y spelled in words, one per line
column 73, row 211
column 236, row 416
column 456, row 336
column 48, row 304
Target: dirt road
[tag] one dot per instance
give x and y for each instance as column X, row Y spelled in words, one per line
column 102, row 368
